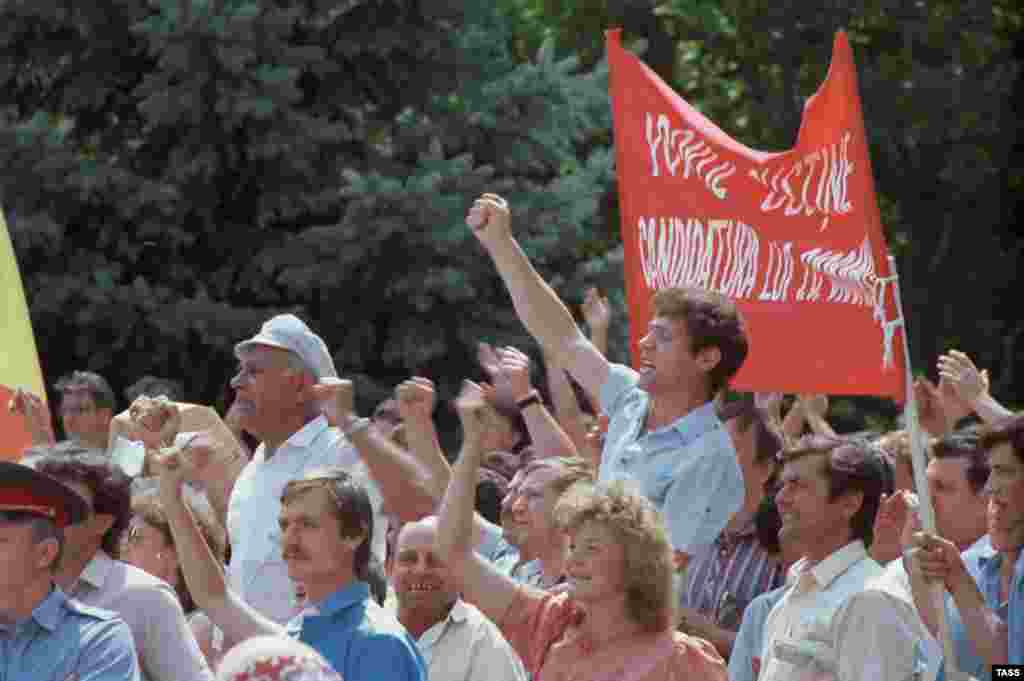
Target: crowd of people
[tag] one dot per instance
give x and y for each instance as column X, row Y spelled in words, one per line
column 612, row 524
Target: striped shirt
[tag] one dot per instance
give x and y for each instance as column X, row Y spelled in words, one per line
column 724, row 576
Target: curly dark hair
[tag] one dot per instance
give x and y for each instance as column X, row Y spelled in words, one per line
column 110, row 487
column 98, row 387
column 712, row 320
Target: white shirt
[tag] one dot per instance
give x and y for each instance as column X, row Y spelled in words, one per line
column 799, row 627
column 163, row 639
column 466, row 646
column 877, row 633
column 258, row 573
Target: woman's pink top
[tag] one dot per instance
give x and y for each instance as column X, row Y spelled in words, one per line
column 545, row 631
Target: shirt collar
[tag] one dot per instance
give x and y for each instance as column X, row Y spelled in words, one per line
column 96, row 570
column 838, row 562
column 459, row 612
column 345, row 597
column 698, row 422
column 989, row 559
column 305, row 435
column 47, row 613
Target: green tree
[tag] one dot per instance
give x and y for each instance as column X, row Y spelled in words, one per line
column 177, row 171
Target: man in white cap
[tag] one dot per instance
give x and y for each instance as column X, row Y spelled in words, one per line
column 276, row 401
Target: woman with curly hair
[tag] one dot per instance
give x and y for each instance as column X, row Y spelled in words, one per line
column 614, row 616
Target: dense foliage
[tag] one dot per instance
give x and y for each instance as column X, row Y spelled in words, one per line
column 178, row 170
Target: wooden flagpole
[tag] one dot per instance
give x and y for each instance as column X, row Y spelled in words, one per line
column 926, row 510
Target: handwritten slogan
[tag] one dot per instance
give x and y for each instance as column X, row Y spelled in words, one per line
column 793, row 237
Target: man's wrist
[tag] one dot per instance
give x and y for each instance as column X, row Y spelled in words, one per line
column 527, row 400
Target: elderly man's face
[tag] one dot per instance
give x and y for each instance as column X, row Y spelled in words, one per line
column 421, row 578
column 266, row 387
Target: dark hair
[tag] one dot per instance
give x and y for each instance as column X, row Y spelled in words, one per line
column 43, row 528
column 767, row 523
column 768, row 441
column 491, row 488
column 351, row 505
column 1009, row 430
column 110, row 487
column 965, row 444
column 100, row 391
column 851, row 465
column 377, row 580
column 712, row 320
column 149, row 508
column 154, row 386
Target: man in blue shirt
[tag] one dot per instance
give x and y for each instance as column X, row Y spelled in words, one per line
column 663, row 432
column 326, row 526
column 987, row 581
column 44, row 634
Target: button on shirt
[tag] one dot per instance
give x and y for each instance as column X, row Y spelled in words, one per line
column 361, row 640
column 258, row 573
column 466, row 646
column 167, row 649
column 64, row 639
column 800, row 624
column 688, row 469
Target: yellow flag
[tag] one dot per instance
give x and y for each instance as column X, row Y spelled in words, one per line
column 19, row 361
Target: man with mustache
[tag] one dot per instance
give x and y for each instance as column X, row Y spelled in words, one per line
column 457, row 641
column 326, row 524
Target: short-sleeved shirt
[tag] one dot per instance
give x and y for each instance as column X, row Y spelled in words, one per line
column 983, row 562
column 750, row 637
column 64, row 639
column 505, row 557
column 801, row 622
column 688, row 469
column 466, row 646
column 360, row 639
column 167, row 649
column 258, row 573
column 546, row 632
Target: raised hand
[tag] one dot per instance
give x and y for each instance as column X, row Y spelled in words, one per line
column 337, row 398
column 490, row 362
column 964, row 379
column 597, row 313
column 489, row 218
column 154, row 421
column 470, row 405
column 515, row 367
column 813, row 406
column 938, row 560
column 930, row 409
column 36, row 413
column 416, row 398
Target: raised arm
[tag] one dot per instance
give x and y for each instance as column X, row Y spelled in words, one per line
column 546, row 434
column 538, row 306
column 416, row 398
column 398, row 475
column 597, row 313
column 971, row 386
column 203, row 572
column 568, row 412
column 480, row 582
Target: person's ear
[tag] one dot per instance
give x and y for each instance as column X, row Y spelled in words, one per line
column 709, row 357
column 45, row 553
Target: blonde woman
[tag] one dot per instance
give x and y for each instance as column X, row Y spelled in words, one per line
column 614, row 617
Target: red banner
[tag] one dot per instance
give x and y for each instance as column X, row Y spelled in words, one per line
column 793, row 237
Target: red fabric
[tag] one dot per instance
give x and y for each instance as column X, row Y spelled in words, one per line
column 14, row 436
column 795, row 236
column 34, row 501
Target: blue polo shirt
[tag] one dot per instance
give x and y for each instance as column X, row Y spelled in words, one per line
column 64, row 639
column 688, row 469
column 361, row 640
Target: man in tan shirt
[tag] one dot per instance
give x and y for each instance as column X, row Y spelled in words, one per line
column 166, row 647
